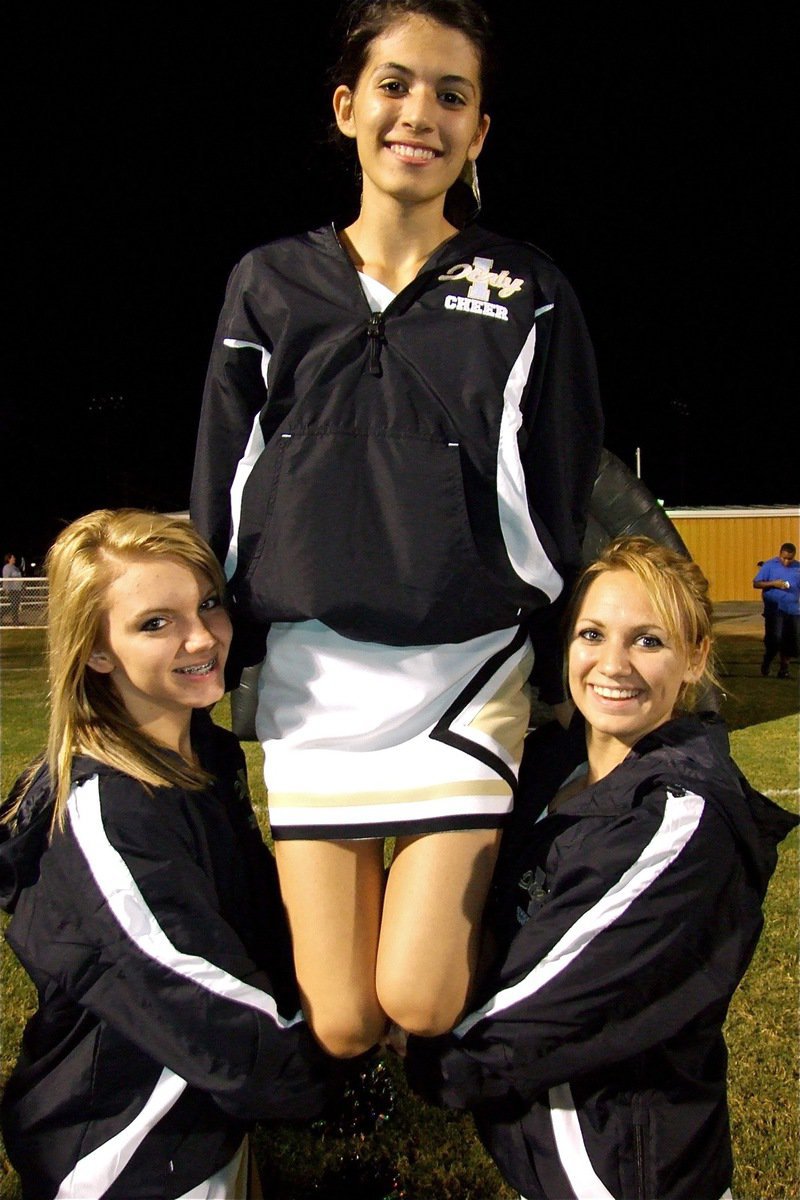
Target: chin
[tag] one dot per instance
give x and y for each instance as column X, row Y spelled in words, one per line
column 626, row 731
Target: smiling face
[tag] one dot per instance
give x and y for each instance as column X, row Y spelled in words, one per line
column 415, row 111
column 626, row 670
column 163, row 642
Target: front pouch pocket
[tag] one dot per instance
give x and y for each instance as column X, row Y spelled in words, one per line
column 368, row 533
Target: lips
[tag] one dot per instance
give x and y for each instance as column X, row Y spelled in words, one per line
column 615, row 693
column 413, row 153
column 200, row 669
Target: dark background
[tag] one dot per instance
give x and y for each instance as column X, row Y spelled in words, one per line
column 642, row 146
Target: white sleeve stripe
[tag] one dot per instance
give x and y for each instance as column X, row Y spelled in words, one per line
column 139, row 923
column 524, row 549
column 681, row 817
column 572, row 1152
column 236, row 344
column 94, row 1174
column 233, row 344
column 252, row 452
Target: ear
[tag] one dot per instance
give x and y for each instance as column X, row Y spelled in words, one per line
column 343, row 110
column 698, row 657
column 101, row 661
column 480, row 137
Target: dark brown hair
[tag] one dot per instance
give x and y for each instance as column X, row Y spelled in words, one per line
column 361, row 21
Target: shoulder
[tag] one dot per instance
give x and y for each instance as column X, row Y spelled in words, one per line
column 287, row 252
column 668, row 776
column 688, row 747
column 508, row 253
column 478, row 266
column 101, row 793
column 686, row 765
column 288, row 275
column 219, row 750
column 123, row 827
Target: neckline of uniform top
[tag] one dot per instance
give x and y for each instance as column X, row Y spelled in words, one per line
column 379, row 296
column 472, row 233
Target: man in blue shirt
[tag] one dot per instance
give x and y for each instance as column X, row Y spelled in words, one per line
column 779, row 581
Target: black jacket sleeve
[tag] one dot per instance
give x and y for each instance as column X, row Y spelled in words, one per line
column 235, row 394
column 561, row 441
column 229, row 439
column 637, row 937
column 129, row 920
column 544, row 630
column 563, row 425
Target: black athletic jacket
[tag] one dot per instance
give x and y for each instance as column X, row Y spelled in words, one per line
column 412, row 477
column 596, row 1065
column 168, row 1020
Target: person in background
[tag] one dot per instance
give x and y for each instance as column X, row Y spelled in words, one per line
column 778, row 579
column 626, row 907
column 399, row 439
column 12, row 587
column 145, row 906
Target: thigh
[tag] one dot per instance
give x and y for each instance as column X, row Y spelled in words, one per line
column 333, row 893
column 430, row 933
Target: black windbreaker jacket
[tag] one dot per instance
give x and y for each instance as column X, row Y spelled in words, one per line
column 168, row 1020
column 410, row 477
column 596, row 1065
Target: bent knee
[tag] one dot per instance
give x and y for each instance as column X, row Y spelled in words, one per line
column 343, row 1038
column 428, row 1024
column 421, row 1014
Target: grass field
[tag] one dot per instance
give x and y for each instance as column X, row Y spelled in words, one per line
column 424, row 1154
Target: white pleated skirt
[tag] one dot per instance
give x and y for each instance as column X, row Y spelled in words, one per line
column 364, row 740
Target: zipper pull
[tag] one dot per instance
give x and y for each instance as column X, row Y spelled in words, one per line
column 375, row 333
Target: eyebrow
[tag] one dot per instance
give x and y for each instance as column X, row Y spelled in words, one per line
column 451, row 79
column 648, row 627
column 159, row 611
column 165, row 610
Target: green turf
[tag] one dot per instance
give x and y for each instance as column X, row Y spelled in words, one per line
column 424, row 1154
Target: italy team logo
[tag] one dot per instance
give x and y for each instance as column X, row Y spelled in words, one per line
column 483, row 281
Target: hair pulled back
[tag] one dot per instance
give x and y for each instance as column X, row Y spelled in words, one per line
column 361, row 21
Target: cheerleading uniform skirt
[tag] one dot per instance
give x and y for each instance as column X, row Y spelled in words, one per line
column 363, row 740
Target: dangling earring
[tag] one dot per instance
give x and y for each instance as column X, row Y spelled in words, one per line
column 470, row 177
column 463, row 201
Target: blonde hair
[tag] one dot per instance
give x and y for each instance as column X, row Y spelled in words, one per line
column 86, row 714
column 677, row 589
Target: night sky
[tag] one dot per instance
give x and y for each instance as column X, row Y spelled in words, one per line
column 642, row 146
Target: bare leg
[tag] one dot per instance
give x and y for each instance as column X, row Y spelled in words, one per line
column 333, row 893
column 430, row 933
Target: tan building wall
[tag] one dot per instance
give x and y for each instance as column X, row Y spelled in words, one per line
column 728, row 543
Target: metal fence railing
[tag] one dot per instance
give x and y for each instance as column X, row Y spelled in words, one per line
column 23, row 602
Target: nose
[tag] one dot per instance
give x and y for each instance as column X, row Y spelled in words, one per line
column 614, row 659
column 418, row 108
column 199, row 637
